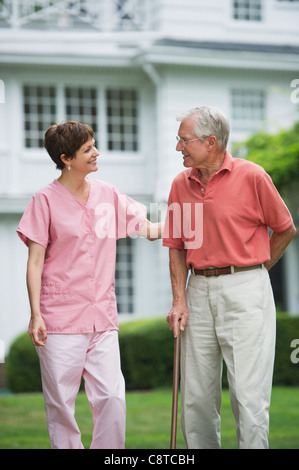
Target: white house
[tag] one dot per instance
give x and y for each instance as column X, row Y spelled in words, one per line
column 127, row 68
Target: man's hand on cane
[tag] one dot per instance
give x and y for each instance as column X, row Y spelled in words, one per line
column 178, row 313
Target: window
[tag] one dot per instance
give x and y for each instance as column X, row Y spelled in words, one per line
column 122, row 115
column 247, row 10
column 39, row 113
column 124, row 276
column 248, row 107
column 81, row 105
column 46, row 105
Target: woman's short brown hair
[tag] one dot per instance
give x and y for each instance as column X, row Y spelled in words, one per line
column 66, row 138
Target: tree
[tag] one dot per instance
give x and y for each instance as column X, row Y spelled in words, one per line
column 278, row 154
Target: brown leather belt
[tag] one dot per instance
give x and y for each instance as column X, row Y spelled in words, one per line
column 212, row 271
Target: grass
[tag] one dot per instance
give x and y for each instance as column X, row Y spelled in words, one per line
column 23, row 421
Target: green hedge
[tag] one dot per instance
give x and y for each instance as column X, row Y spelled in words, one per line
column 147, row 356
column 146, row 349
column 22, row 373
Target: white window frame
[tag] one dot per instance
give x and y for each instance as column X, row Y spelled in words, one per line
column 249, row 122
column 33, row 101
column 251, row 8
column 101, row 134
column 86, row 102
column 124, row 286
column 121, row 123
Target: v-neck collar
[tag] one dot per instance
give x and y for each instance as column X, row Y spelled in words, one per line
column 72, row 195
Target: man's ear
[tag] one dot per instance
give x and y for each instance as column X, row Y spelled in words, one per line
column 212, row 141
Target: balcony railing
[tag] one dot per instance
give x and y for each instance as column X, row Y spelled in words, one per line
column 103, row 15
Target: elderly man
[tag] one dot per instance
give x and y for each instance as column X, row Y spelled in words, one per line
column 227, row 310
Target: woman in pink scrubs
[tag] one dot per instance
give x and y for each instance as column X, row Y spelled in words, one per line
column 71, row 227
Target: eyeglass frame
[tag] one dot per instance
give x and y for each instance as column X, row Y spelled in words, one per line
column 186, row 142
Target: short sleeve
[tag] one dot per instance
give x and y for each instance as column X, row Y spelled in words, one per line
column 173, row 224
column 276, row 213
column 35, row 222
column 130, row 214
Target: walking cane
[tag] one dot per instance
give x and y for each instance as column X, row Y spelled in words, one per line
column 175, row 392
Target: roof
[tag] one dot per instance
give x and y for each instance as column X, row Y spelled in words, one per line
column 228, row 46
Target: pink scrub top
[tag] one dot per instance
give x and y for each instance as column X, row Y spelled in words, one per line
column 77, row 294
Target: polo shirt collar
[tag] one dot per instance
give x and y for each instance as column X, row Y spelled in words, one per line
column 226, row 165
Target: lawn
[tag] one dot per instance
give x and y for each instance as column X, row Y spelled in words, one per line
column 23, row 423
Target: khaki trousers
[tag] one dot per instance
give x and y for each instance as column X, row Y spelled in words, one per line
column 231, row 317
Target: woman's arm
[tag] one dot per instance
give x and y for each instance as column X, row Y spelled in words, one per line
column 35, row 266
column 151, row 231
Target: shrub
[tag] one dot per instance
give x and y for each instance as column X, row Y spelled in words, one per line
column 22, row 366
column 146, row 349
column 147, row 356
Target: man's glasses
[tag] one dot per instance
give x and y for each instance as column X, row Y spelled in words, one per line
column 185, row 142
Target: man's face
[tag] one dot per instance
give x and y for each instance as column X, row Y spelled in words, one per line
column 194, row 153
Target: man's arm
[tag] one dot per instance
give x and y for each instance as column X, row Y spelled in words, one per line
column 278, row 243
column 178, row 276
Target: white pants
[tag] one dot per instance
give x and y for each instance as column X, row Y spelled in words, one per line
column 232, row 317
column 63, row 361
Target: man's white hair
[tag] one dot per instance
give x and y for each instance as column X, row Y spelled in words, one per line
column 208, row 121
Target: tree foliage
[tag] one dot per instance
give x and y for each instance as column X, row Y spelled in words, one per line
column 278, row 154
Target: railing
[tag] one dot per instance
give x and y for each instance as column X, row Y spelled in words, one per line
column 103, row 15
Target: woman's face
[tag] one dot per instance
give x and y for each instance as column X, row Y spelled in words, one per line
column 85, row 159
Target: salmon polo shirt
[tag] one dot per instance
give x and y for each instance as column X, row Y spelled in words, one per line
column 225, row 223
column 77, row 293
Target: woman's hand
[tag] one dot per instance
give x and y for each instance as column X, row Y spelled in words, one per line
column 151, row 231
column 38, row 331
